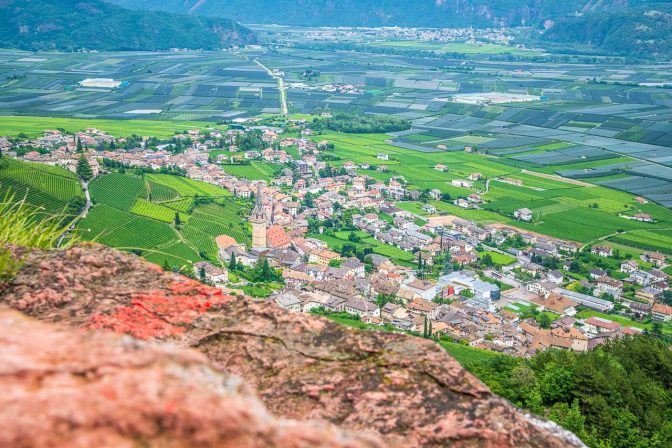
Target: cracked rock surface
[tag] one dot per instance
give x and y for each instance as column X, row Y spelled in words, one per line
column 406, row 389
column 60, row 387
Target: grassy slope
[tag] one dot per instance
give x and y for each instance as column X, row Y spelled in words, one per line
column 45, row 187
column 35, row 126
column 124, row 218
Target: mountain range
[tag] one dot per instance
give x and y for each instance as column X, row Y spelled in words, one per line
column 97, row 25
column 614, row 26
column 384, row 12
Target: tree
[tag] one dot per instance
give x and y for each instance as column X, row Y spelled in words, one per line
column 178, row 221
column 544, row 321
column 308, row 201
column 232, row 263
column 667, row 297
column 80, row 149
column 201, row 273
column 166, row 266
column 84, row 170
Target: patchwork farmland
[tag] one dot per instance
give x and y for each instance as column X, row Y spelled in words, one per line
column 139, row 214
column 594, row 123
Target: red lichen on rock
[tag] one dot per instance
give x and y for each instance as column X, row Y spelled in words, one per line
column 66, row 388
column 157, row 313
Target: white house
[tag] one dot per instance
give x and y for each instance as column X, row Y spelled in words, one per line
column 523, row 214
column 361, row 308
column 211, row 273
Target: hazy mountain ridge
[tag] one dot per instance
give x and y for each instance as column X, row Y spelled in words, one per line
column 384, row 12
column 98, row 25
column 614, row 26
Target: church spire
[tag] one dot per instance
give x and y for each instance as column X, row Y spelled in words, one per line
column 258, row 212
column 259, row 201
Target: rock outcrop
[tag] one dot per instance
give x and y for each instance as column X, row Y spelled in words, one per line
column 68, row 388
column 406, row 389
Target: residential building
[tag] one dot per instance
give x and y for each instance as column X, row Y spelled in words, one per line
column 213, row 274
column 361, row 308
column 523, row 214
column 596, row 325
column 662, row 312
column 602, row 251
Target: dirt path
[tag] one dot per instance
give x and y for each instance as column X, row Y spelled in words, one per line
column 82, row 214
column 281, row 87
column 606, row 237
column 559, row 178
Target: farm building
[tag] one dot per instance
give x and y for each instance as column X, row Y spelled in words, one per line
column 100, row 83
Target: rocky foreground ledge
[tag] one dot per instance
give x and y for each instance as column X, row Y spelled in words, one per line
column 405, row 391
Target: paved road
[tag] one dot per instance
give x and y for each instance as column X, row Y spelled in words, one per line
column 281, row 87
column 82, row 214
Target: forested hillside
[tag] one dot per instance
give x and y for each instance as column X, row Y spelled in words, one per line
column 97, row 25
column 620, row 31
column 383, row 12
column 610, row 26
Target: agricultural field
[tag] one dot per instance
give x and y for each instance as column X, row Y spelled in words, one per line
column 138, row 214
column 44, row 187
column 589, row 120
column 499, row 258
column 161, row 92
column 337, row 241
column 186, row 187
column 33, row 126
column 462, row 48
column 255, row 170
column 143, row 207
column 563, row 208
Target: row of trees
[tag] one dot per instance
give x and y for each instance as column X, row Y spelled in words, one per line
column 361, row 124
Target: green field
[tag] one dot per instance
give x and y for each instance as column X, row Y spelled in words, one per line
column 148, row 209
column 186, row 187
column 562, row 209
column 463, row 48
column 45, row 187
column 35, row 126
column 337, row 241
column 498, row 258
column 255, row 170
column 118, row 190
column 124, row 217
column 159, row 192
column 181, row 205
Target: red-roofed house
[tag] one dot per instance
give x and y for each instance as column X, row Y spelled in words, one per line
column 597, row 325
column 662, row 312
column 276, row 238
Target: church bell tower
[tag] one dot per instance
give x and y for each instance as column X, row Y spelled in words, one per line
column 259, row 221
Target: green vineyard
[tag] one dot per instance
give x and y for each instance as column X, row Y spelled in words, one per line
column 45, row 187
column 181, row 205
column 118, row 190
column 148, row 209
column 138, row 214
column 187, row 187
column 161, row 193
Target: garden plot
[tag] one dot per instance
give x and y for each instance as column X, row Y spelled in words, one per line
column 565, row 156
